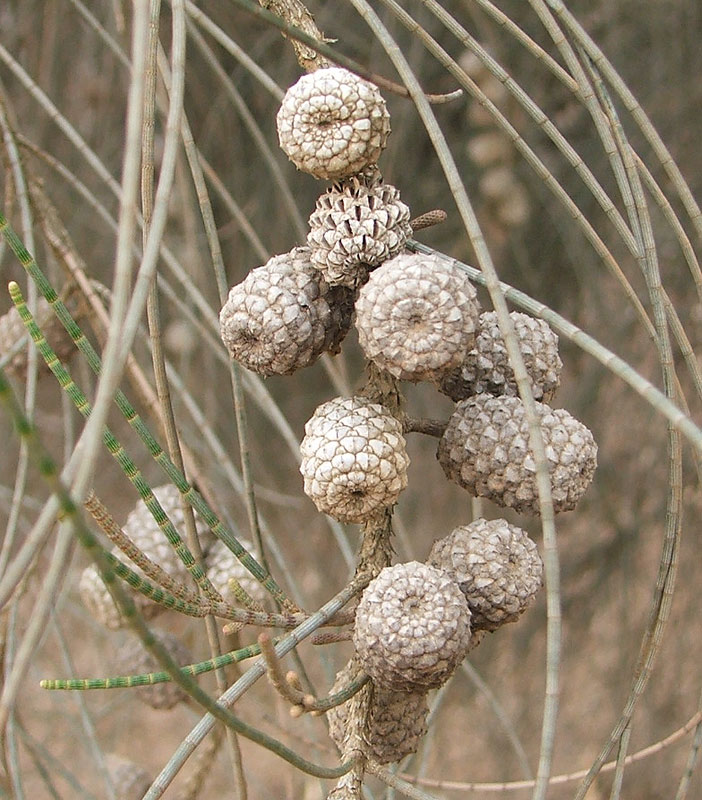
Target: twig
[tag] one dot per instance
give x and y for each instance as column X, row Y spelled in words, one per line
column 431, row 427
column 428, row 219
column 557, row 780
column 288, row 685
column 292, row 32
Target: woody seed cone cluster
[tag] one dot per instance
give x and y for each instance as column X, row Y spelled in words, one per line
column 395, row 723
column 486, row 367
column 355, row 227
column 332, row 123
column 283, row 316
column 416, row 317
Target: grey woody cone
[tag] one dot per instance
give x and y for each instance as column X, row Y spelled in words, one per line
column 486, row 367
column 146, row 534
column 130, row 781
column 416, row 317
column 354, row 228
column 485, row 448
column 497, row 567
column 332, row 123
column 283, row 316
column 222, row 565
column 133, row 659
column 144, row 531
column 99, row 603
column 395, row 724
column 12, row 331
column 354, row 459
column 412, row 628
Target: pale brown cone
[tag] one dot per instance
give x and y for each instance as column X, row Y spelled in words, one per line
column 222, row 565
column 412, row 628
column 395, row 724
column 332, row 123
column 283, row 316
column 416, row 317
column 12, row 330
column 486, row 367
column 134, row 659
column 130, row 781
column 354, row 228
column 354, row 460
column 497, row 567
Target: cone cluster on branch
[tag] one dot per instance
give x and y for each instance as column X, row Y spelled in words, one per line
column 418, row 319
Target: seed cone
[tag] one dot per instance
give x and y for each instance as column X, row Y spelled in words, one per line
column 133, row 659
column 486, row 367
column 395, row 723
column 496, row 566
column 416, row 317
column 412, row 628
column 485, row 449
column 354, row 460
column 283, row 316
column 146, row 534
column 223, row 565
column 332, row 123
column 12, row 331
column 354, row 228
column 97, row 599
column 131, row 781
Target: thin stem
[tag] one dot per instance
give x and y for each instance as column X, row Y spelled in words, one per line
column 558, row 780
column 151, row 678
column 255, row 671
column 338, row 58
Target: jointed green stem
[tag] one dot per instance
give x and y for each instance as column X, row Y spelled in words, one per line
column 135, row 421
column 128, row 466
column 340, row 697
column 197, row 606
column 153, row 592
column 187, row 603
column 150, row 678
column 49, row 472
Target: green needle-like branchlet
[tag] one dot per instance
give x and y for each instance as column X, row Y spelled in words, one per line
column 150, row 678
column 135, row 421
column 128, row 466
column 48, row 470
